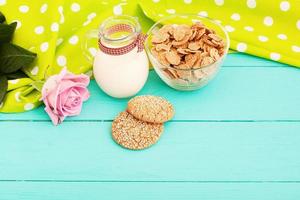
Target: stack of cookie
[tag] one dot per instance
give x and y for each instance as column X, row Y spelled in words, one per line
column 141, row 125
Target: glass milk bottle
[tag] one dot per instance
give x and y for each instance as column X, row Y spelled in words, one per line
column 120, row 65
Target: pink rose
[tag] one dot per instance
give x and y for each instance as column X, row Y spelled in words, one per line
column 63, row 95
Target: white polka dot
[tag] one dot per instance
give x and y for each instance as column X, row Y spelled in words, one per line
column 249, row 28
column 187, row 1
column 39, row 30
column 44, row 46
column 298, row 24
column 229, row 28
column 28, row 106
column 54, row 27
column 241, row 47
column 263, row 38
column 92, row 16
column 218, row 21
column 23, row 8
column 62, row 16
column 196, row 20
column 59, row 41
column 14, row 81
column 118, row 10
column 75, row 7
column 61, row 61
column 44, row 8
column 203, row 13
column 155, row 1
column 275, row 56
column 87, row 22
column 93, row 51
column 171, row 11
column 17, row 96
column 251, row 3
column 2, row 2
column 74, row 39
column 235, row 16
column 219, row 2
column 19, row 24
column 268, row 21
column 284, row 5
column 34, row 70
column 282, row 36
column 296, row 48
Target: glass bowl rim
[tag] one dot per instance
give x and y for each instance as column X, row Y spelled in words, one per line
column 184, row 15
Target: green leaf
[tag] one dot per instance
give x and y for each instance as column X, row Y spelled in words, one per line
column 7, row 32
column 3, row 87
column 2, row 18
column 13, row 58
column 16, row 75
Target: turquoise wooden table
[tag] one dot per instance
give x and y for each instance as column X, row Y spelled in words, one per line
column 237, row 139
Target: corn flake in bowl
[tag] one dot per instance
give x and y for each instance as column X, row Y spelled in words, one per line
column 187, row 51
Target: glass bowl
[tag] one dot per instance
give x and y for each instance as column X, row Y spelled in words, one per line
column 186, row 79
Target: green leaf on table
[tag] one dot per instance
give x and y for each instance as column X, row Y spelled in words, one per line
column 3, row 87
column 13, row 58
column 2, row 18
column 16, row 75
column 7, row 32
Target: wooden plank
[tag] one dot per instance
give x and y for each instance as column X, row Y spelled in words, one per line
column 207, row 151
column 147, row 191
column 237, row 93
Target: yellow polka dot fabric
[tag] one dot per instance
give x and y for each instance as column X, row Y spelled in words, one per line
column 56, row 29
column 269, row 29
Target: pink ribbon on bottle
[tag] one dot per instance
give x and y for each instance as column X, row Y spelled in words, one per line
column 138, row 42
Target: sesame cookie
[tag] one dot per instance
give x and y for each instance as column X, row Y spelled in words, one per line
column 151, row 109
column 132, row 133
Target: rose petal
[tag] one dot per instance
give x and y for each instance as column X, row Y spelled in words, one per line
column 63, row 95
column 84, row 93
column 49, row 86
column 54, row 118
column 59, row 108
column 74, row 103
column 64, row 105
column 52, row 98
column 74, row 110
column 67, row 84
column 81, row 78
column 53, row 81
